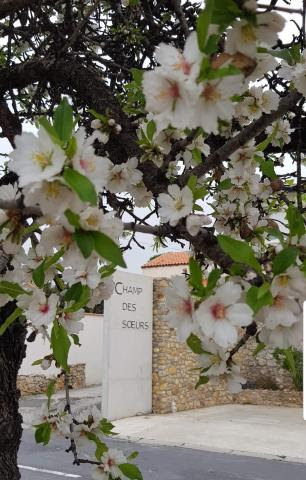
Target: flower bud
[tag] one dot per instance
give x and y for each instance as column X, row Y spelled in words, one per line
column 96, row 124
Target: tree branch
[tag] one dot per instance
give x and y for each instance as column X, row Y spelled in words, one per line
column 247, row 134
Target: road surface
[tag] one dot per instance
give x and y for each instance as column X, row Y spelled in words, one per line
column 156, row 463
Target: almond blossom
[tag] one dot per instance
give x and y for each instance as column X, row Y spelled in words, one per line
column 221, row 314
column 181, row 308
column 36, row 158
column 175, row 205
column 291, row 283
column 41, row 309
column 108, row 468
column 283, row 312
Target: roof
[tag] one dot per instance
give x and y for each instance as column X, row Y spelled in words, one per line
column 168, row 259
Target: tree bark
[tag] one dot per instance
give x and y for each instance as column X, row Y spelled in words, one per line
column 12, row 352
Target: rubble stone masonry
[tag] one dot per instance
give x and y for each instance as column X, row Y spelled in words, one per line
column 174, row 378
column 34, row 384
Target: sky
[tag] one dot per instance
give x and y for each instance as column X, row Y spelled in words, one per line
column 137, row 256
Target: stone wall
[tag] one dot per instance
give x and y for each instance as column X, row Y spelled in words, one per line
column 174, row 380
column 35, row 384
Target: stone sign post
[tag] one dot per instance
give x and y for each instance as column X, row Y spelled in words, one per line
column 127, row 347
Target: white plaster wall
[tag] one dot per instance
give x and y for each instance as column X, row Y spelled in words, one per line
column 127, row 347
column 90, row 353
column 167, row 271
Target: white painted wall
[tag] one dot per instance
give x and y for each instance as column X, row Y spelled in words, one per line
column 167, row 271
column 127, row 347
column 90, row 353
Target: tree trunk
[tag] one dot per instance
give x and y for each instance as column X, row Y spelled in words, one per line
column 12, row 352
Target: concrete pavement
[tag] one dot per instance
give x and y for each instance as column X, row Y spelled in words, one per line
column 269, row 432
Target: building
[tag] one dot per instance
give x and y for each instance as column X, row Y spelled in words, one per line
column 167, row 264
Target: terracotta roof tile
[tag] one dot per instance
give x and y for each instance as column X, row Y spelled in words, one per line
column 168, row 259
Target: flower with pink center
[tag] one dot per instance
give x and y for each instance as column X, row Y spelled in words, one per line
column 220, row 316
column 86, row 162
column 283, row 312
column 167, row 98
column 109, row 467
column 184, row 64
column 41, row 309
column 181, row 308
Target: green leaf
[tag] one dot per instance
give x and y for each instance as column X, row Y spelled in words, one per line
column 81, row 185
column 71, row 148
column 49, row 261
column 130, row 471
column 60, row 345
column 81, row 301
column 108, row 249
column 50, row 391
column 284, row 260
column 37, row 362
column 212, row 44
column 85, row 242
column 63, row 120
column 50, row 130
column 12, row 289
column 213, row 278
column 107, row 427
column 257, row 301
column 74, row 292
column 239, row 251
column 9, row 320
column 290, row 360
column 261, row 346
column 203, row 22
column 151, row 129
column 38, row 275
column 101, row 447
column 43, row 433
column 202, row 381
column 196, row 277
column 225, row 184
column 196, row 156
column 195, row 344
column 73, row 218
column 263, row 145
column 133, row 455
column 295, row 221
column 225, row 12
column 267, row 168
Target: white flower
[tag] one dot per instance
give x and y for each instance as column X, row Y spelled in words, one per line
column 181, row 308
column 102, row 292
column 109, row 466
column 167, row 98
column 111, row 226
column 214, row 102
column 245, row 37
column 90, row 218
column 141, row 195
column 9, row 192
column 86, row 162
column 284, row 312
column 295, row 73
column 41, row 309
column 184, row 64
column 199, row 144
column 71, row 321
column 123, row 175
column 53, row 198
column 175, row 205
column 46, row 363
column 195, row 222
column 56, row 236
column 84, row 271
column 282, row 132
column 235, row 380
column 220, row 315
column 36, row 158
column 292, row 282
column 283, row 337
